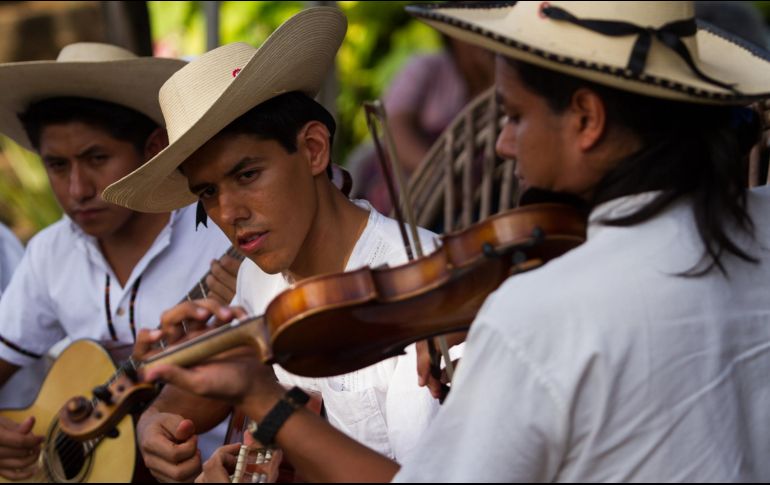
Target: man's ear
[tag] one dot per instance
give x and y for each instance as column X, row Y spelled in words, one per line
column 590, row 118
column 157, row 141
column 313, row 139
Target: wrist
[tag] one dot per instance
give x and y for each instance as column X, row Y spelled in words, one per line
column 256, row 406
column 266, row 431
column 146, row 418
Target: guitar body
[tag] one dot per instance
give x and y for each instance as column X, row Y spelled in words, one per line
column 80, row 367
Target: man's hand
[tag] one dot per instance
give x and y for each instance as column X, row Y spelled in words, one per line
column 424, row 375
column 221, row 281
column 221, row 465
column 230, row 376
column 19, row 449
column 234, row 376
column 185, row 319
column 169, row 446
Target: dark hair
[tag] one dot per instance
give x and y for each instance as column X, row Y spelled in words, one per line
column 688, row 149
column 118, row 121
column 280, row 119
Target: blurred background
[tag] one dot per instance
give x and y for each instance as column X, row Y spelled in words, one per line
column 381, row 39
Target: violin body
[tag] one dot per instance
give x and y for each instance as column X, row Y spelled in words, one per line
column 334, row 324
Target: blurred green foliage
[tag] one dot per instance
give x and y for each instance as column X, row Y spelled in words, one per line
column 27, row 203
column 381, row 36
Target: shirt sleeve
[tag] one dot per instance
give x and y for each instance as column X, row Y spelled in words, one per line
column 503, row 420
column 28, row 323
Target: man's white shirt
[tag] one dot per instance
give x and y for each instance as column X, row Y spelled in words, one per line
column 59, row 288
column 381, row 406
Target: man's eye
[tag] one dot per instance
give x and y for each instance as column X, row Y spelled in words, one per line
column 248, row 175
column 207, row 193
column 512, row 119
column 56, row 166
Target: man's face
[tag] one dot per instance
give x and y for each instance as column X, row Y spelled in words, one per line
column 532, row 134
column 261, row 196
column 81, row 161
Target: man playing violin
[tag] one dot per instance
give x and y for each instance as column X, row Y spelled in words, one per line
column 642, row 355
column 102, row 271
column 255, row 151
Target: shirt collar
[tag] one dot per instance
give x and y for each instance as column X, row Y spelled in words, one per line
column 90, row 246
column 617, row 208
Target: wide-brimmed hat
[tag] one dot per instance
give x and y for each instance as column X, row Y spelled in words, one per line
column 88, row 70
column 212, row 91
column 650, row 48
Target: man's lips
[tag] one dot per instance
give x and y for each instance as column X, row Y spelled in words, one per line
column 88, row 213
column 252, row 241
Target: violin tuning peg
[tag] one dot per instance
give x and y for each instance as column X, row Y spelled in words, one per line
column 519, row 257
column 538, row 235
column 489, row 250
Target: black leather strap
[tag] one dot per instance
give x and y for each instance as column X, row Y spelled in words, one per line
column 294, row 399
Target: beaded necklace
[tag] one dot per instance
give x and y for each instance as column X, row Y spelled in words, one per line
column 134, row 290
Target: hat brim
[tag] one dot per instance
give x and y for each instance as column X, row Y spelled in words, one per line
column 296, row 57
column 721, row 56
column 133, row 83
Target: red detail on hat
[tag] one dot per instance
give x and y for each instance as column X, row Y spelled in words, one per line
column 236, row 71
column 540, row 9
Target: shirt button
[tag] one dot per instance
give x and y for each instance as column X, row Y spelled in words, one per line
column 121, row 311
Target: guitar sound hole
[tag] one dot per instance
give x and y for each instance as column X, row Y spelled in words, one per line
column 71, row 455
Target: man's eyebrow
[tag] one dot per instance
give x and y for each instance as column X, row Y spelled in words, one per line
column 90, row 151
column 53, row 158
column 239, row 166
column 235, row 169
column 199, row 188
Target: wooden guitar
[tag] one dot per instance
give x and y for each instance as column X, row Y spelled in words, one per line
column 82, row 367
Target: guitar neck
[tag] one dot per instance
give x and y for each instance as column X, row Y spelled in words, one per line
column 257, row 465
column 201, row 289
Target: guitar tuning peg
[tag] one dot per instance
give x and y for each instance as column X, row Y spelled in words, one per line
column 129, row 370
column 113, row 433
column 103, row 394
column 79, row 408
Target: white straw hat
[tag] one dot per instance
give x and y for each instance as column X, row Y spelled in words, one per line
column 215, row 89
column 88, row 70
column 650, row 48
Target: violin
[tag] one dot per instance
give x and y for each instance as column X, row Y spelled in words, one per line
column 337, row 323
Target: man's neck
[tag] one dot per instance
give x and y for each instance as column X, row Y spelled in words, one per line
column 125, row 248
column 336, row 228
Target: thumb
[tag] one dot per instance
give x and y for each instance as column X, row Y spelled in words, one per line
column 26, row 425
column 184, row 430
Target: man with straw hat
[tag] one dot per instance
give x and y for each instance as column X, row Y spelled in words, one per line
column 102, row 271
column 247, row 140
column 642, row 355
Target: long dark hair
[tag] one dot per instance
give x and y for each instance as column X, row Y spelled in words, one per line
column 689, row 149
